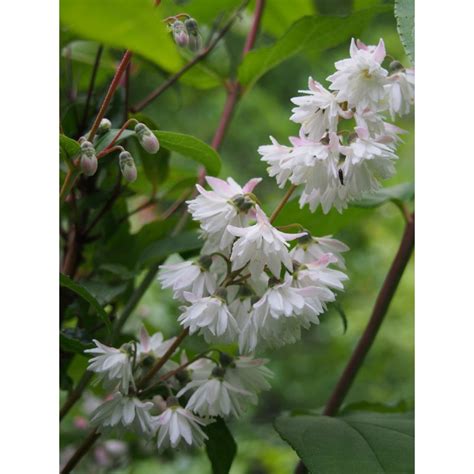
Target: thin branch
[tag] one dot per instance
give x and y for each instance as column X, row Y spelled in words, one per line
column 111, row 91
column 282, row 203
column 81, row 451
column 382, row 303
column 252, row 36
column 198, row 58
column 75, row 394
column 90, row 90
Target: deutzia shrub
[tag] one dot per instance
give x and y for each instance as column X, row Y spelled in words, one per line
column 254, row 285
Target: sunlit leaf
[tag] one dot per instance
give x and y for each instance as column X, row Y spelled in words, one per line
column 405, row 15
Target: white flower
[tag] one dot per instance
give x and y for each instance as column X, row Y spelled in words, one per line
column 283, row 309
column 249, row 374
column 401, row 92
column 113, row 365
column 126, row 412
column 211, row 317
column 154, row 346
column 317, row 111
column 309, row 248
column 189, row 276
column 279, row 158
column 216, row 397
column 177, row 425
column 320, row 274
column 360, row 80
column 261, row 244
column 226, row 203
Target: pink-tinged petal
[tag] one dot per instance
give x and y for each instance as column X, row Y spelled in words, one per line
column 333, row 141
column 144, row 339
column 237, row 231
column 361, row 45
column 261, row 216
column 353, row 48
column 379, row 53
column 362, row 132
column 218, row 184
column 250, row 185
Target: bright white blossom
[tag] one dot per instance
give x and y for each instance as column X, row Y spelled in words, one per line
column 226, row 203
column 308, row 249
column 261, row 245
column 125, row 412
column 215, row 397
column 189, row 276
column 317, row 111
column 360, row 79
column 113, row 365
column 401, row 92
column 320, row 274
column 177, row 426
column 211, row 317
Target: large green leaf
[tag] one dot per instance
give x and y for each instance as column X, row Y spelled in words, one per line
column 405, row 15
column 220, row 447
column 68, row 149
column 191, row 147
column 310, row 33
column 66, row 282
column 159, row 250
column 399, row 193
column 358, row 443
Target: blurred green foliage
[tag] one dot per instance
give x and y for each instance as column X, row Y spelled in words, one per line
column 305, row 373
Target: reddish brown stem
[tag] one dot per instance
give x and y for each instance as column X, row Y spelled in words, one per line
column 257, row 17
column 231, row 101
column 81, row 451
column 110, row 92
column 381, row 306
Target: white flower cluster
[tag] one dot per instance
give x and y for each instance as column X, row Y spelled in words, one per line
column 249, row 287
column 337, row 165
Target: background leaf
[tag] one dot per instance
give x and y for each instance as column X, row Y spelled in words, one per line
column 220, row 447
column 66, row 282
column 359, row 443
column 191, row 147
column 310, row 33
column 402, row 193
column 405, row 15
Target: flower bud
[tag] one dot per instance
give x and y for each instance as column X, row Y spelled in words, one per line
column 194, row 43
column 88, row 159
column 127, row 166
column 104, row 126
column 147, row 138
column 180, row 33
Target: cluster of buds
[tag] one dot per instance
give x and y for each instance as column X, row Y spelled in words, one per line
column 185, row 32
column 88, row 158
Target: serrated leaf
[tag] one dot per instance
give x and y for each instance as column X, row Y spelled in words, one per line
column 66, row 282
column 359, row 443
column 310, row 33
column 402, row 193
column 159, row 250
column 191, row 147
column 220, row 447
column 405, row 15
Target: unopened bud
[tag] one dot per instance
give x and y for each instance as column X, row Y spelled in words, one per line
column 147, row 138
column 194, row 43
column 395, row 66
column 104, row 126
column 88, row 159
column 127, row 166
column 218, row 372
column 205, row 262
column 180, row 33
column 225, row 359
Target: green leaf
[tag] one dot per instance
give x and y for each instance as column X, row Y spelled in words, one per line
column 191, row 147
column 402, row 406
column 400, row 193
column 159, row 250
column 310, row 33
column 66, row 282
column 136, row 25
column 104, row 140
column 74, row 340
column 68, row 149
column 358, row 443
column 156, row 166
column 86, row 52
column 220, row 447
column 405, row 15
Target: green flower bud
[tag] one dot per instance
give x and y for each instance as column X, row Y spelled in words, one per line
column 147, row 138
column 180, row 33
column 194, row 43
column 88, row 161
column 104, row 126
column 127, row 166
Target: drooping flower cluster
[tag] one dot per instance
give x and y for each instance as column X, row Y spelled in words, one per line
column 254, row 285
column 337, row 164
